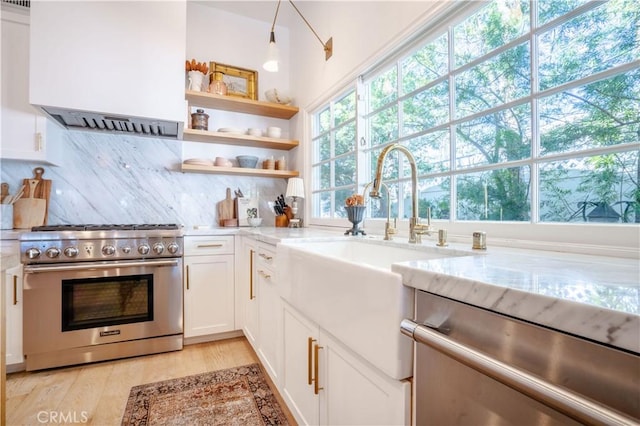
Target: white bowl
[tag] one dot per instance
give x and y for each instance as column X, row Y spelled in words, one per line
column 254, row 221
column 274, row 132
column 275, row 96
column 254, row 132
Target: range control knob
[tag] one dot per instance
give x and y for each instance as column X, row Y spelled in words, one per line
column 71, row 251
column 126, row 249
column 33, row 253
column 52, row 252
column 108, row 250
column 158, row 248
column 173, row 248
column 143, row 249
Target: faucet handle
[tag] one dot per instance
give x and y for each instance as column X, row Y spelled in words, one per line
column 389, row 230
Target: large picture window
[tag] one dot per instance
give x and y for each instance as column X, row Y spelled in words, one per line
column 517, row 111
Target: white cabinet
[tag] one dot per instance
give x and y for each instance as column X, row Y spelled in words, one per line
column 246, row 291
column 300, row 339
column 13, row 311
column 261, row 304
column 26, row 134
column 208, row 285
column 269, row 311
column 326, row 383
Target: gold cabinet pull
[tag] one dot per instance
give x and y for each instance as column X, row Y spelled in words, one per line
column 15, row 289
column 316, row 388
column 264, row 274
column 212, row 245
column 251, row 274
column 187, row 276
column 266, row 257
column 309, row 353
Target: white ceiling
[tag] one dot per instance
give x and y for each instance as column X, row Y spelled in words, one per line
column 261, row 10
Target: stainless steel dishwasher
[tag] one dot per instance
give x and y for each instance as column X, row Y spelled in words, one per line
column 476, row 367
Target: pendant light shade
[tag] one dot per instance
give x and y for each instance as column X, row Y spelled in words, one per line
column 271, row 64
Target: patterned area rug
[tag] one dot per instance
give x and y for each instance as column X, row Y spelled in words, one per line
column 236, row 396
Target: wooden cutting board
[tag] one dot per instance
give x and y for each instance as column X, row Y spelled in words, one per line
column 42, row 190
column 29, row 212
column 225, row 208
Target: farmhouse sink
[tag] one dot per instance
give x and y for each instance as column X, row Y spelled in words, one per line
column 348, row 289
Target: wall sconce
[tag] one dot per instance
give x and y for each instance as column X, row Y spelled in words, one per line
column 271, row 64
column 295, row 190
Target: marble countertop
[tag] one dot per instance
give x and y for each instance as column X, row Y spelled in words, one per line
column 589, row 296
column 595, row 297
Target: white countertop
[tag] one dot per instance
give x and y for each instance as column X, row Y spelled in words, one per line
column 589, row 296
column 595, row 297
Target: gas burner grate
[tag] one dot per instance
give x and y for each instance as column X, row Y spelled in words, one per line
column 107, row 227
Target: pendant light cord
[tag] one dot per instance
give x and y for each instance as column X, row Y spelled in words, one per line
column 273, row 26
column 306, row 22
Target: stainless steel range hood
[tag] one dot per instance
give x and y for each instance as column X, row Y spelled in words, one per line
column 82, row 120
column 110, row 66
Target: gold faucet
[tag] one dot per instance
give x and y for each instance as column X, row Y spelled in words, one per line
column 389, row 229
column 416, row 229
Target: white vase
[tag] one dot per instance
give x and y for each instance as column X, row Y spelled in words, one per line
column 196, row 81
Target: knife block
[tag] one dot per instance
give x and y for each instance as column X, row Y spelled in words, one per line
column 282, row 221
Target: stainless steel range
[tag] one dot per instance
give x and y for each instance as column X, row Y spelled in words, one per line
column 98, row 292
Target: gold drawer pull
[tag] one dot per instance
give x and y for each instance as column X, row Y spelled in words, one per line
column 251, row 296
column 309, row 353
column 187, row 277
column 266, row 257
column 15, row 289
column 212, row 245
column 315, row 369
column 264, row 274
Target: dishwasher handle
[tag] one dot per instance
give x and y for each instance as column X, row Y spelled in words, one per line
column 560, row 399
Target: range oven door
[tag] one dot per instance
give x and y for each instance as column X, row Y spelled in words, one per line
column 85, row 304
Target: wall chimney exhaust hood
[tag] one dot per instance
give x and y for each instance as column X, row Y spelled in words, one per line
column 112, row 66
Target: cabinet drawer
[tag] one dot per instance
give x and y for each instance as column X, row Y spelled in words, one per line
column 204, row 245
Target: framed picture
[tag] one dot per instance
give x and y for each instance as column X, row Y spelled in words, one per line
column 240, row 82
column 246, row 208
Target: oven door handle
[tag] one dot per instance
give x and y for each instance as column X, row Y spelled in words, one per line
column 98, row 265
column 563, row 400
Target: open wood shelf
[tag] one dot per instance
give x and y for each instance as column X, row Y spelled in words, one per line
column 235, row 104
column 238, row 139
column 190, row 168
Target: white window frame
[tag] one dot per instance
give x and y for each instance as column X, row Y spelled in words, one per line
column 611, row 239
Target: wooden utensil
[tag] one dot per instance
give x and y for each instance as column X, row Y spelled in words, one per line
column 29, row 212
column 225, row 208
column 44, row 190
column 4, row 191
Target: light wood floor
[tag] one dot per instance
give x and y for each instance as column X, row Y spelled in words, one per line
column 100, row 391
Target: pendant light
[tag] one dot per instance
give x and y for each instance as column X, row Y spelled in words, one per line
column 271, row 64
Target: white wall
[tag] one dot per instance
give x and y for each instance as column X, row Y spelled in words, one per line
column 362, row 32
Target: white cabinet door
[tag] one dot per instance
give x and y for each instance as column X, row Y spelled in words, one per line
column 355, row 393
column 325, row 383
column 26, row 133
column 269, row 312
column 208, row 295
column 300, row 337
column 13, row 300
column 248, row 291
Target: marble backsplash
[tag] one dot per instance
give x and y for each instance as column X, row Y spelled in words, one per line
column 107, row 178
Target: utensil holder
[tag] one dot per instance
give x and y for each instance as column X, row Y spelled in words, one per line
column 355, row 214
column 282, row 221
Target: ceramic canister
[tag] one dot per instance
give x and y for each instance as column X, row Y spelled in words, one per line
column 200, row 120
